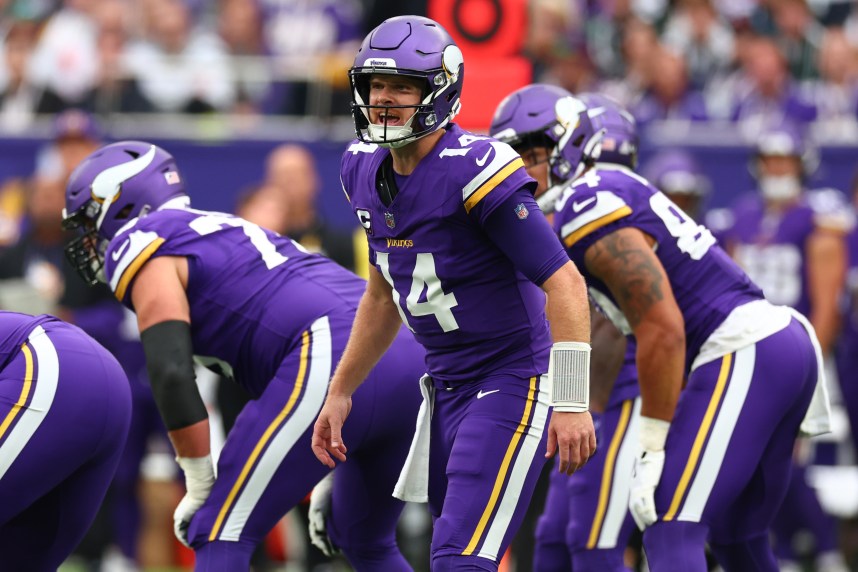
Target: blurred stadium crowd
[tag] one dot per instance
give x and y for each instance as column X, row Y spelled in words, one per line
column 85, row 63
column 664, row 59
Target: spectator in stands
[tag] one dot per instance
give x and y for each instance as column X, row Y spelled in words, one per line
column 765, row 93
column 180, row 69
column 799, row 36
column 115, row 90
column 639, row 43
column 240, row 27
column 836, row 94
column 706, row 41
column 65, row 62
column 606, row 27
column 318, row 37
column 291, row 169
column 19, row 97
column 557, row 46
column 668, row 96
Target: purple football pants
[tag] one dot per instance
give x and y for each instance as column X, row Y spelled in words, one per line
column 65, row 406
column 586, row 524
column 487, row 451
column 728, row 452
column 267, row 467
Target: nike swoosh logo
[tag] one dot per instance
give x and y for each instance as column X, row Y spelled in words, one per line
column 482, row 161
column 578, row 207
column 482, row 393
column 117, row 254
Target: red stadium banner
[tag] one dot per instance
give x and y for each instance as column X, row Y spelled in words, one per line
column 487, row 82
column 490, row 28
column 491, row 35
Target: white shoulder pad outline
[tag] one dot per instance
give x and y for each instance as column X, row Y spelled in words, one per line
column 504, row 161
column 129, row 256
column 608, row 208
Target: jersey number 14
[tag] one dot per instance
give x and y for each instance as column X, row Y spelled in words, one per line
column 438, row 303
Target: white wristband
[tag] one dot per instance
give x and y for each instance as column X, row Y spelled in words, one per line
column 653, row 434
column 569, row 376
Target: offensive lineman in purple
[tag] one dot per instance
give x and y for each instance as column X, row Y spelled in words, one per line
column 446, row 214
column 694, row 313
column 586, row 524
column 65, row 407
column 257, row 308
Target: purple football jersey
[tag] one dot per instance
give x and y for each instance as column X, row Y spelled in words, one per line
column 15, row 328
column 251, row 291
column 465, row 301
column 850, row 323
column 772, row 247
column 707, row 284
column 626, row 385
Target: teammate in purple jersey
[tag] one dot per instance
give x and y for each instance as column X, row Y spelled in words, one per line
column 586, row 523
column 65, row 406
column 792, row 243
column 847, row 347
column 726, row 378
column 258, row 308
column 446, row 214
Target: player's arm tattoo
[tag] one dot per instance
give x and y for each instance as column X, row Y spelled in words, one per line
column 626, row 263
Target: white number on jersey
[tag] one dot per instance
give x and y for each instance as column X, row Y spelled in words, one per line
column 776, row 268
column 590, row 178
column 693, row 239
column 211, row 222
column 438, row 303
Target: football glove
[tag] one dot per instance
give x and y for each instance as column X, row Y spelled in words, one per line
column 647, row 471
column 199, row 480
column 320, row 510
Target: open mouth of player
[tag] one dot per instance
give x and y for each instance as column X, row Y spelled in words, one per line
column 390, row 119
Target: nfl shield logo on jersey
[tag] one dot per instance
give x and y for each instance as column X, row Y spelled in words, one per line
column 389, row 220
column 521, row 211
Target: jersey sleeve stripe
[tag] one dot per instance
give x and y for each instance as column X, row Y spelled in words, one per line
column 503, row 155
column 131, row 271
column 493, row 182
column 592, row 226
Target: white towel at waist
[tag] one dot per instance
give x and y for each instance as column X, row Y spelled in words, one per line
column 817, row 420
column 413, row 483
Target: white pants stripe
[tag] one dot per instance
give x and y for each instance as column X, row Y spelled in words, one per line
column 303, row 416
column 518, row 475
column 621, row 483
column 720, row 435
column 46, row 364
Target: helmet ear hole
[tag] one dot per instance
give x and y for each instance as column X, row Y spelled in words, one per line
column 578, row 140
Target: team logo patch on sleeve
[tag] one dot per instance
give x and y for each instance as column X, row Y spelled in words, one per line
column 521, row 211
